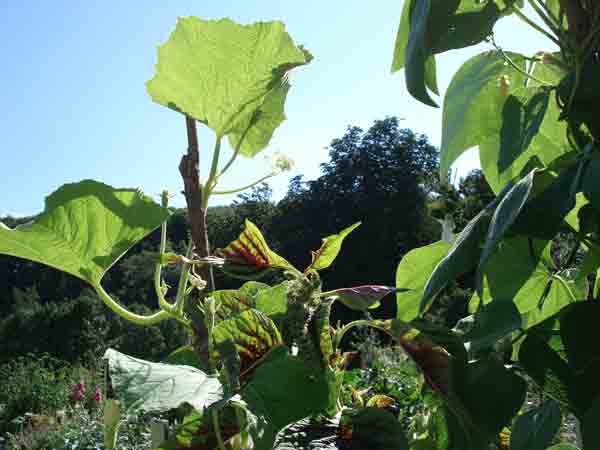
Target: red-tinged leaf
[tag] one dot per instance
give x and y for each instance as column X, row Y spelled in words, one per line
column 324, row 257
column 249, row 256
column 361, row 298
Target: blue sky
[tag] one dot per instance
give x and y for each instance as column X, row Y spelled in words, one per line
column 75, row 105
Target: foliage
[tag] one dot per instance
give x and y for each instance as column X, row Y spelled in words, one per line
column 271, row 354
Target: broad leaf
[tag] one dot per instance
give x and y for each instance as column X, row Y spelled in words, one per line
column 331, row 246
column 185, row 356
column 360, row 298
column 536, row 429
column 462, row 257
column 252, row 332
column 84, row 229
column 249, row 256
column 373, row 429
column 429, row 27
column 158, row 387
column 412, row 275
column 282, row 390
column 273, row 302
column 491, row 323
column 579, row 333
column 591, row 182
column 231, row 77
column 523, row 273
column 491, row 105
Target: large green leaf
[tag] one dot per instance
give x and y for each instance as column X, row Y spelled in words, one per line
column 84, row 229
column 536, row 429
column 283, row 390
column 412, row 275
column 330, row 248
column 591, row 182
column 273, row 301
column 491, row 105
column 231, row 77
column 252, row 332
column 462, row 257
column 158, row 387
column 524, row 274
column 428, row 27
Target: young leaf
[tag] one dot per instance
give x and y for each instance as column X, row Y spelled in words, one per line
column 505, row 214
column 324, row 257
column 360, row 298
column 462, row 257
column 412, row 275
column 253, row 334
column 536, row 429
column 157, row 387
column 231, row 77
column 84, row 229
column 249, row 255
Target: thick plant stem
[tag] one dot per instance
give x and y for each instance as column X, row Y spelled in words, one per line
column 189, row 168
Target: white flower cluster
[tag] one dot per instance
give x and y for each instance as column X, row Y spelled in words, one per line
column 281, row 163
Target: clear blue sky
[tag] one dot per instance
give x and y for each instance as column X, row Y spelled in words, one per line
column 75, row 105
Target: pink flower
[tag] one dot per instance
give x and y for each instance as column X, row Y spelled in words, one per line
column 78, row 391
column 98, row 394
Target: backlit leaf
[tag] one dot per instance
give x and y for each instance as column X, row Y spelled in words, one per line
column 412, row 275
column 84, row 229
column 250, row 256
column 324, row 257
column 252, row 332
column 231, row 77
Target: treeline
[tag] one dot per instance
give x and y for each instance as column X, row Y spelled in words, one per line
column 386, row 177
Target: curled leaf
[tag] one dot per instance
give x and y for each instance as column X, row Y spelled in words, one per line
column 361, row 298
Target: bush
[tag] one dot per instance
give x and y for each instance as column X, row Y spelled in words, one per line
column 38, row 384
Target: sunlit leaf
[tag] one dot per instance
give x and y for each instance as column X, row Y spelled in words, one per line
column 250, row 256
column 331, row 246
column 252, row 332
column 231, row 77
column 158, row 387
column 412, row 275
column 84, row 229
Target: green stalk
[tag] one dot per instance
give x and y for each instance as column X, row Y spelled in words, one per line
column 217, row 427
column 128, row 315
column 162, row 301
column 546, row 16
column 212, row 177
column 183, row 278
column 233, row 191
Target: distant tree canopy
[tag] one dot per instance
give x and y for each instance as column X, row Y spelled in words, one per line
column 385, row 177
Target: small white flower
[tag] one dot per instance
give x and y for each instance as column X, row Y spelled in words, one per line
column 281, row 163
